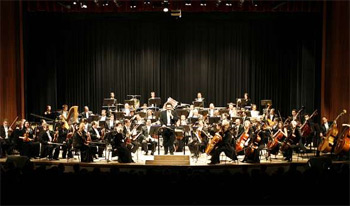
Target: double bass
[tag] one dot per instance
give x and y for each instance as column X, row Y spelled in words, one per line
column 329, row 139
column 305, row 128
column 343, row 143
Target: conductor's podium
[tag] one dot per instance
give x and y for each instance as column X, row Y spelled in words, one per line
column 169, row 160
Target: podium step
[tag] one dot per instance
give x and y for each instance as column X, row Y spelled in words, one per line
column 172, row 157
column 166, row 162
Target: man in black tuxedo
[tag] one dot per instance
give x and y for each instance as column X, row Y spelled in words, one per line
column 46, row 138
column 146, row 138
column 168, row 118
column 6, row 145
column 86, row 114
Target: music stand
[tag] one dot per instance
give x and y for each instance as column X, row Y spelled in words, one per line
column 203, row 112
column 109, row 102
column 193, row 120
column 213, row 120
column 198, row 104
column 154, row 101
column 93, row 118
column 265, row 102
column 222, row 111
column 155, row 131
column 182, row 112
column 102, row 124
column 118, row 115
column 142, row 114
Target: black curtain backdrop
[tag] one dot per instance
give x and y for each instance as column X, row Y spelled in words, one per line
column 77, row 59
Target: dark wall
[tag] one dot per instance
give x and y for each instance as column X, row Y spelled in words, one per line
column 79, row 58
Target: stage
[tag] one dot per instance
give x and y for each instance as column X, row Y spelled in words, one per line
column 179, row 160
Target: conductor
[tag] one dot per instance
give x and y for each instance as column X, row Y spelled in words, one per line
column 168, row 118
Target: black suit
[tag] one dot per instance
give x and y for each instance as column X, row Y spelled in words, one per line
column 168, row 134
column 223, row 146
column 135, row 144
column 6, row 145
column 46, row 148
column 86, row 151
column 118, row 143
column 143, row 137
column 86, row 115
column 95, row 138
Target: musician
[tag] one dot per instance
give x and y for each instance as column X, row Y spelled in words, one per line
column 247, row 129
column 224, row 145
column 31, row 147
column 62, row 138
column 46, row 138
column 139, row 119
column 307, row 139
column 103, row 115
column 147, row 139
column 126, row 109
column 272, row 115
column 255, row 144
column 81, row 141
column 212, row 110
column 254, row 113
column 199, row 97
column 149, row 114
column 168, row 118
column 325, row 126
column 295, row 115
column 246, row 100
column 294, row 141
column 130, row 133
column 48, row 113
column 232, row 110
column 244, row 116
column 190, row 114
column 86, row 114
column 279, row 127
column 64, row 111
column 96, row 136
column 238, row 129
column 110, row 123
column 199, row 140
column 6, row 145
column 119, row 145
column 112, row 96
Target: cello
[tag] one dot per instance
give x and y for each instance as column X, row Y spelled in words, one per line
column 253, row 145
column 212, row 142
column 242, row 140
column 343, row 143
column 329, row 139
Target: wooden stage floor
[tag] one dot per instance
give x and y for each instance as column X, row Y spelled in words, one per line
column 202, row 162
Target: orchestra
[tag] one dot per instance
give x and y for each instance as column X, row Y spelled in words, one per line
column 240, row 130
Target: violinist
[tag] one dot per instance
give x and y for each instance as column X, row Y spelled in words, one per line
column 147, row 139
column 119, row 145
column 6, row 145
column 232, row 110
column 61, row 136
column 30, row 148
column 103, row 115
column 46, row 138
column 129, row 133
column 81, row 140
column 212, row 110
column 224, row 145
column 254, row 113
column 198, row 141
column 168, row 118
column 96, row 136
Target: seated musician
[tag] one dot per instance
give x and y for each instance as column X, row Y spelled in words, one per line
column 199, row 140
column 130, row 133
column 147, row 139
column 81, row 141
column 150, row 115
column 168, row 118
column 272, row 115
column 30, row 145
column 86, row 114
column 110, row 123
column 64, row 111
column 6, row 145
column 308, row 139
column 119, row 144
column 244, row 116
column 103, row 115
column 278, row 128
column 139, row 119
column 232, row 110
column 62, row 138
column 48, row 113
column 224, row 145
column 126, row 109
column 46, row 138
column 96, row 136
column 190, row 114
column 294, row 142
column 179, row 129
column 254, row 112
column 212, row 110
column 255, row 144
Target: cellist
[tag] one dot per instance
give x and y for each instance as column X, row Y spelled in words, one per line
column 224, row 145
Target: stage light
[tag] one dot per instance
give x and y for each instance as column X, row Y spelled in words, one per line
column 74, row 3
column 84, row 6
column 165, row 9
column 255, row 5
column 166, row 5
